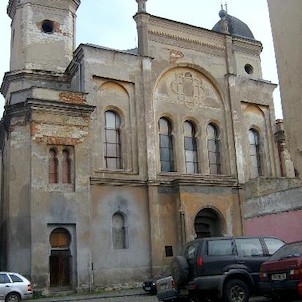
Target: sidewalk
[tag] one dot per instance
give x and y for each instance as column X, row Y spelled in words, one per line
column 91, row 296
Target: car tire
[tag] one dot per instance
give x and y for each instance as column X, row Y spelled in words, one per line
column 179, row 270
column 13, row 297
column 236, row 290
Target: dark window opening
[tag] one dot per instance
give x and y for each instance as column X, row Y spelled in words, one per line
column 166, row 146
column 48, row 26
column 169, row 251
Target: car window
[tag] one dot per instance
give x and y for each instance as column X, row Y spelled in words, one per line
column 273, row 244
column 288, row 251
column 247, row 247
column 221, row 247
column 15, row 278
column 4, row 279
column 190, row 252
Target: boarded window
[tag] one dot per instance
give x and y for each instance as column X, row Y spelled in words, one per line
column 119, row 231
column 66, row 167
column 53, row 166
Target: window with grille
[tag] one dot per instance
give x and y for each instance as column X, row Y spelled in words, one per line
column 166, row 146
column 255, row 156
column 190, row 145
column 213, row 149
column 112, row 141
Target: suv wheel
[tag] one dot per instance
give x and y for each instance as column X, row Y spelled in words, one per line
column 13, row 297
column 180, row 270
column 236, row 290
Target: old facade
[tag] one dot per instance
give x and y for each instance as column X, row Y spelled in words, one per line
column 112, row 159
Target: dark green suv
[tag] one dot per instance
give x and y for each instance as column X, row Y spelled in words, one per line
column 221, row 267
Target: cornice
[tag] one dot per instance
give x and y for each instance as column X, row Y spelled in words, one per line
column 39, row 75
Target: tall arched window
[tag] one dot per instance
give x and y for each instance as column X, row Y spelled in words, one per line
column 255, row 155
column 112, row 140
column 53, row 166
column 213, row 149
column 166, row 145
column 190, row 145
column 119, row 231
column 66, row 167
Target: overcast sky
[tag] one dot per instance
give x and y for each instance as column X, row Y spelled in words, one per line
column 109, row 23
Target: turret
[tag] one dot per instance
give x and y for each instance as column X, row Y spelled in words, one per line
column 43, row 34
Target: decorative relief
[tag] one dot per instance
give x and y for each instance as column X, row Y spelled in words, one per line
column 189, row 88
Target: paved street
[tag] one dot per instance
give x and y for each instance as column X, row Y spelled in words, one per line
column 129, row 298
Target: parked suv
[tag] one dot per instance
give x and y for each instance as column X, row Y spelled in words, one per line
column 220, row 267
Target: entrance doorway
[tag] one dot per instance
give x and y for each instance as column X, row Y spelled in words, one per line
column 207, row 223
column 60, row 258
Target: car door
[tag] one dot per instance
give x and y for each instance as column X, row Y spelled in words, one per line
column 250, row 256
column 218, row 256
column 5, row 285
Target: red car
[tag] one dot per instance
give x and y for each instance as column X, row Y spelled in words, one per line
column 281, row 274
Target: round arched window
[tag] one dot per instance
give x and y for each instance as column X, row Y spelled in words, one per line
column 60, row 238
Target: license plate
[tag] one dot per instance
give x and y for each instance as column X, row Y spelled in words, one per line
column 278, row 277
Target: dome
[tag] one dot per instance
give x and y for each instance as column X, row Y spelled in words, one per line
column 235, row 27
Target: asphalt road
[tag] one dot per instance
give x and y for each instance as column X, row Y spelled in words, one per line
column 144, row 298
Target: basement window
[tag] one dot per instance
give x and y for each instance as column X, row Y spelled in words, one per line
column 48, row 26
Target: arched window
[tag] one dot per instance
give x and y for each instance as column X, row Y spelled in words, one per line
column 255, row 155
column 119, row 231
column 213, row 149
column 112, row 140
column 166, row 145
column 190, row 145
column 66, row 167
column 53, row 166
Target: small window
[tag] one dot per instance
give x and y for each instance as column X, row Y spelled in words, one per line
column 169, row 251
column 53, row 166
column 273, row 244
column 48, row 26
column 248, row 247
column 249, row 69
column 119, row 231
column 220, row 247
column 66, row 167
column 15, row 278
column 4, row 279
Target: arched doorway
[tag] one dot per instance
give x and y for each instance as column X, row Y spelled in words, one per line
column 60, row 258
column 207, row 223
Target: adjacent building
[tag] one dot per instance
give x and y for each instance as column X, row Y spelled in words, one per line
column 112, row 159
